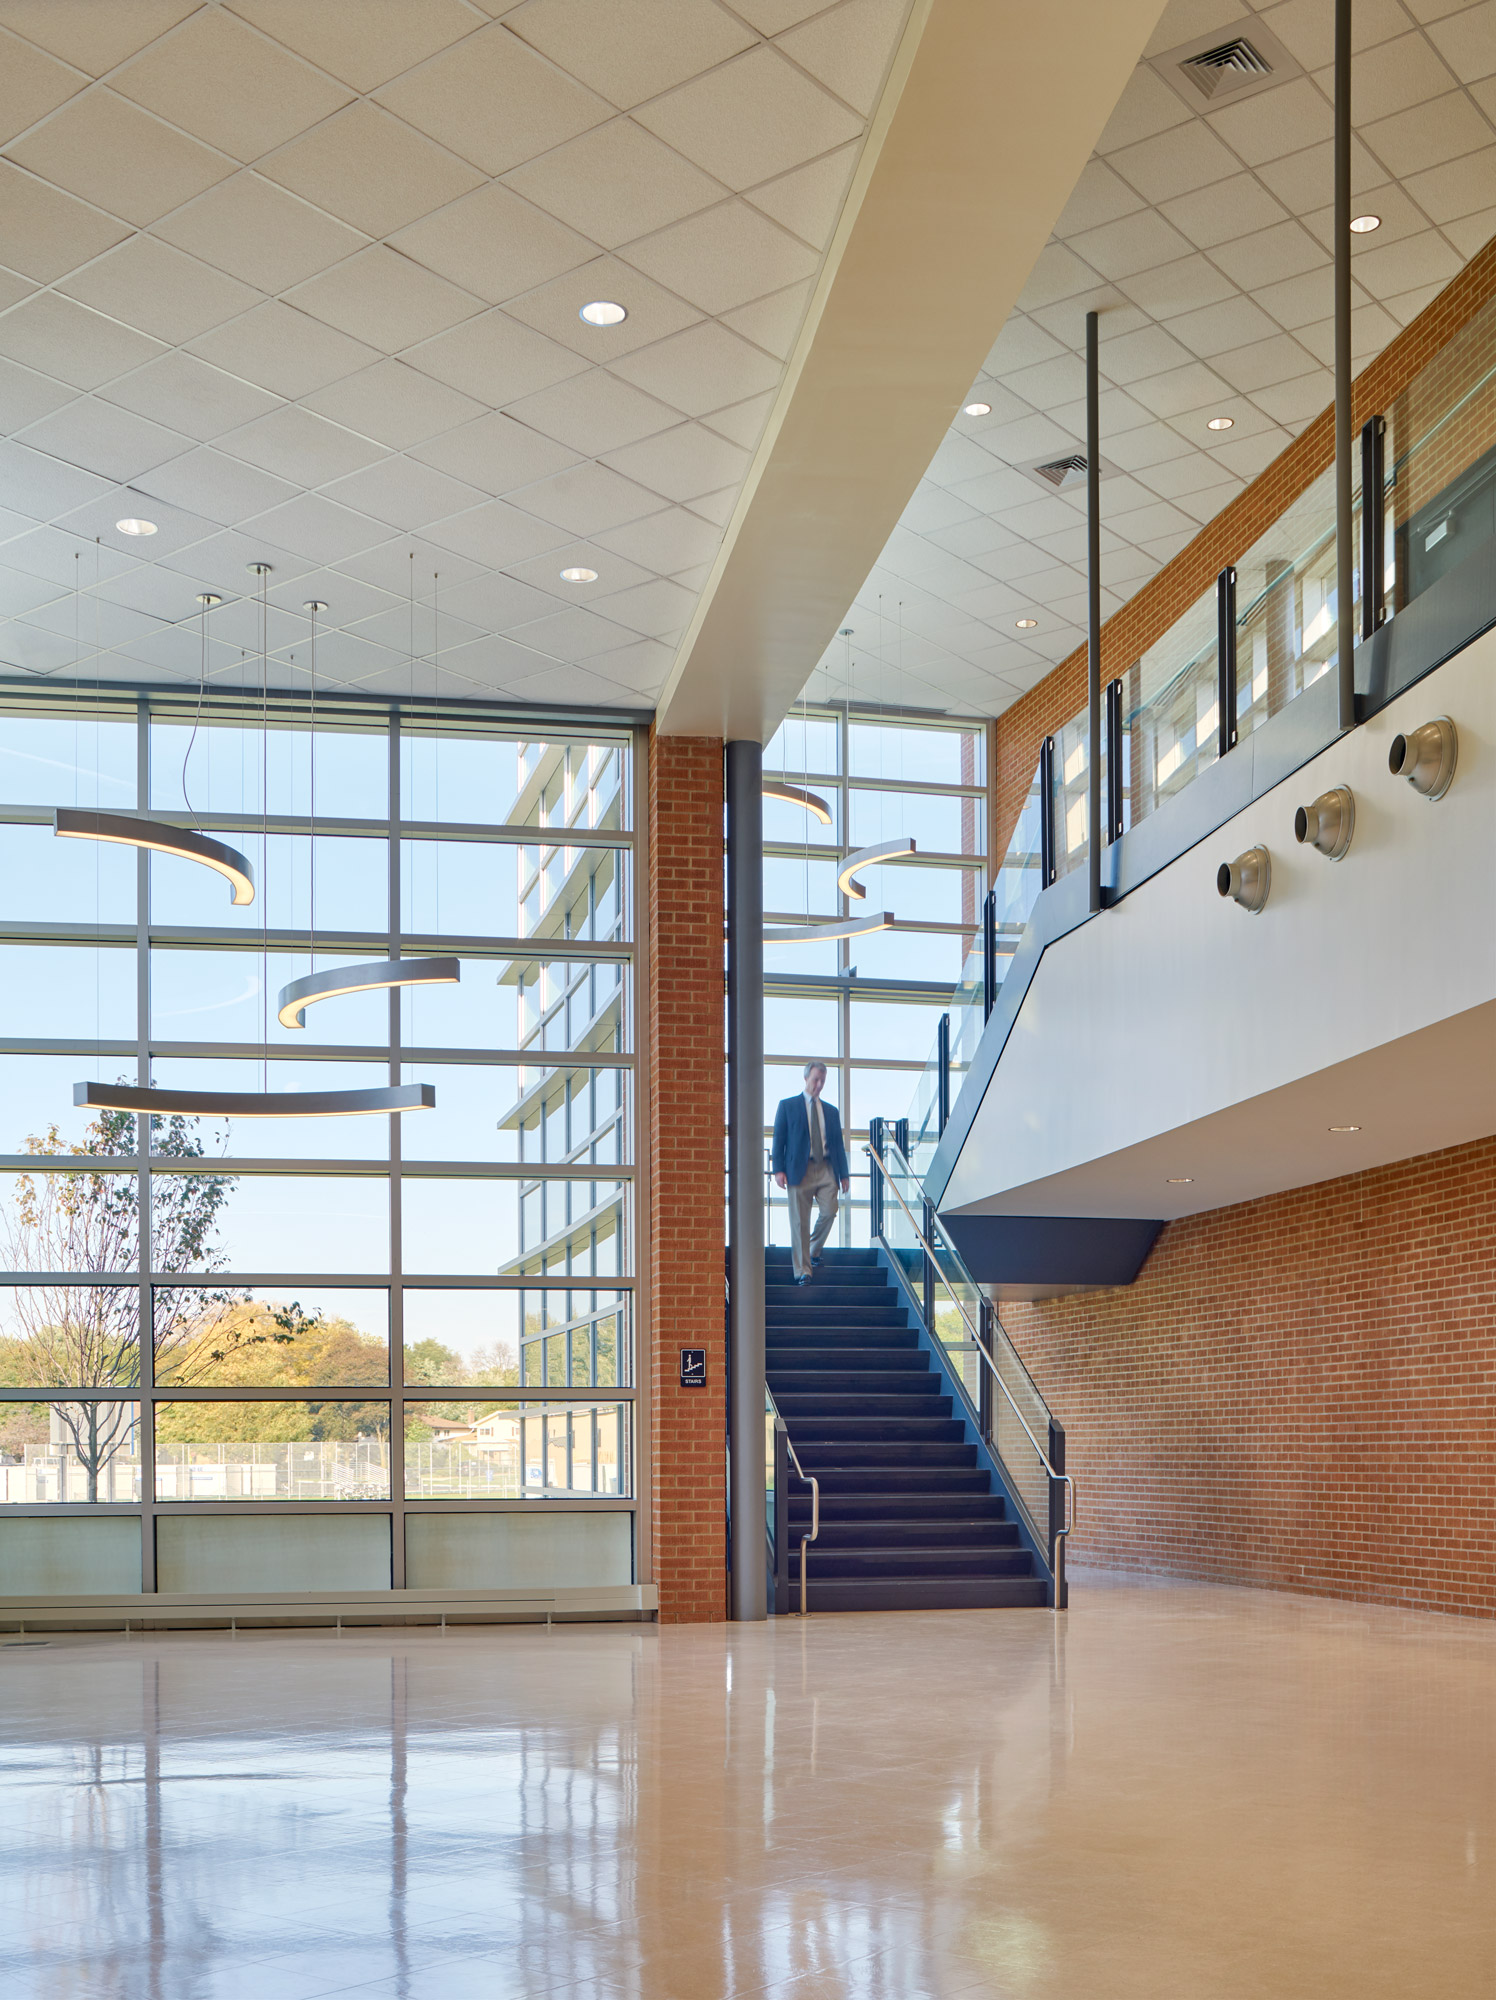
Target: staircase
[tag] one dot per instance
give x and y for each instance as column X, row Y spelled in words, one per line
column 909, row 1521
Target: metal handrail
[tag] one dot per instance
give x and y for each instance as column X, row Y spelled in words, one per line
column 810, row 1480
column 978, row 1344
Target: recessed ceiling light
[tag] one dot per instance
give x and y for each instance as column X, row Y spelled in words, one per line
column 1362, row 225
column 1345, row 1128
column 579, row 576
column 603, row 312
column 1220, row 423
column 1025, row 624
column 976, row 410
column 1180, row 1180
column 133, row 527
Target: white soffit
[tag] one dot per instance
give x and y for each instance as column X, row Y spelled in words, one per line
column 301, row 283
column 1201, row 231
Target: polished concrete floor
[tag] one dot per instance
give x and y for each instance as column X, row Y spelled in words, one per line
column 1173, row 1793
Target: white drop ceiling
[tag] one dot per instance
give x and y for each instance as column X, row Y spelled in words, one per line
column 300, row 284
column 1203, row 236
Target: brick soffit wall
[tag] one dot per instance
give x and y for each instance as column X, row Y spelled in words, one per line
column 1148, row 614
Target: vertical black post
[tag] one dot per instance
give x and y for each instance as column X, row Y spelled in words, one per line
column 985, row 1393
column 1093, row 595
column 1057, row 1499
column 1048, row 869
column 927, row 1266
column 875, row 1129
column 989, row 954
column 901, row 1135
column 1114, row 746
column 745, row 1193
column 1373, row 525
column 1225, row 661
column 1345, row 661
column 943, row 1074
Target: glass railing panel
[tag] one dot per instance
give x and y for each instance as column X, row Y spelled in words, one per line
column 1018, row 882
column 1441, row 462
column 1287, row 631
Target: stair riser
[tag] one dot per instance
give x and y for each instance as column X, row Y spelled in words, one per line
column 813, row 1387
column 923, row 1594
column 874, row 1461
column 881, row 1565
column 907, row 1407
column 934, row 1509
column 895, row 1534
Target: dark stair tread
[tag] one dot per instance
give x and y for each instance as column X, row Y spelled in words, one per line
column 925, row 1593
column 911, row 1562
column 878, row 1503
column 811, row 1387
column 878, row 1406
column 829, row 1455
column 919, row 1535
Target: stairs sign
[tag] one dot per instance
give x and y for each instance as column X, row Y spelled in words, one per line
column 693, row 1367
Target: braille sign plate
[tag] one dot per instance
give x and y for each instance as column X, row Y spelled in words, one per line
column 693, row 1367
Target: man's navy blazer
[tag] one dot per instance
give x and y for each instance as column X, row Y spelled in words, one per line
column 792, row 1139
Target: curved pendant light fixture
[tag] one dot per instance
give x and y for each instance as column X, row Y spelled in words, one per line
column 848, row 927
column 255, row 1103
column 128, row 830
column 796, row 795
column 366, row 978
column 868, row 857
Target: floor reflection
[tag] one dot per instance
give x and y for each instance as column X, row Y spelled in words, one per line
column 1173, row 1791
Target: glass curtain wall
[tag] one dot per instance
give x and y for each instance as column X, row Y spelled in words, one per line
column 317, row 1353
column 867, row 1006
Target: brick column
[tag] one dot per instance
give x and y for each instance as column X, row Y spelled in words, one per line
column 687, row 1138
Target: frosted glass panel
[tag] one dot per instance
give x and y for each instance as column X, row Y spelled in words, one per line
column 517, row 1551
column 258, row 1553
column 96, row 1557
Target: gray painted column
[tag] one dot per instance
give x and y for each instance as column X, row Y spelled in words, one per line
column 745, row 1172
column 1345, row 626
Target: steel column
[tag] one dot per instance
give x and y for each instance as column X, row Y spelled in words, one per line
column 1345, row 640
column 1093, row 597
column 745, row 1198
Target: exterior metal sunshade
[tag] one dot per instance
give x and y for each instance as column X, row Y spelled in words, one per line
column 365, row 978
column 256, row 1103
column 128, row 830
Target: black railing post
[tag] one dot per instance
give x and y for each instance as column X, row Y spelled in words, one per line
column 780, row 1583
column 1048, row 868
column 1373, row 525
column 943, row 1074
column 927, row 1266
column 1057, row 1502
column 1114, row 792
column 875, row 1180
column 1226, row 660
column 901, row 1135
column 989, row 954
column 984, row 1398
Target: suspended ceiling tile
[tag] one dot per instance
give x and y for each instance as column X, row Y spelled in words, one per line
column 495, row 359
column 491, row 664
column 58, row 337
column 348, row 599
column 110, row 152
column 404, row 494
column 93, row 39
column 572, row 634
column 570, row 683
column 318, row 528
column 1204, row 504
column 1183, row 286
column 1230, row 208
column 218, row 562
column 282, row 350
column 1189, row 388
column 615, row 183
column 496, row 534
column 750, row 119
column 493, row 244
column 104, row 623
column 658, row 609
column 68, row 552
column 1133, row 243
column 629, row 50
column 1458, row 188
column 1424, row 259
column 808, row 200
column 744, row 422
column 259, row 232
column 665, row 541
column 1296, row 302
column 1472, row 232
column 1467, row 41
column 555, row 309
column 849, row 48
column 1147, row 106
column 25, row 395
column 683, row 463
column 178, row 389
column 614, row 572
column 640, row 667
column 1270, row 255
column 772, row 17
column 159, row 290
column 1057, row 381
column 1058, row 273
column 500, row 602
column 225, row 84
column 1184, row 158
column 384, row 299
column 1247, row 457
column 1392, row 77
column 371, row 170
column 1372, row 326
column 393, row 403
column 363, row 42
column 219, row 488
column 495, row 453
column 388, row 567
column 1149, row 351
column 494, row 101
column 705, row 367
column 588, row 499
column 1022, row 344
column 724, row 257
column 1213, row 329
column 31, row 84
column 716, row 507
column 594, row 412
column 1399, row 214
column 1306, row 28
column 105, row 439
column 772, row 323
column 299, row 446
column 20, row 593
column 47, row 232
column 1152, row 445
column 437, row 624
column 1100, row 196
column 35, row 651
column 1299, row 401
column 1275, row 122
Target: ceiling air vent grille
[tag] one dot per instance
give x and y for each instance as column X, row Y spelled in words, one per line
column 1226, row 67
column 1061, row 472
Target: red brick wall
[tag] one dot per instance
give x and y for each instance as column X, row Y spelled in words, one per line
column 1298, row 1393
column 1145, row 617
column 687, row 1127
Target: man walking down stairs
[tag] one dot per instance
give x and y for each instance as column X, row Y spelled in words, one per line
column 909, row 1517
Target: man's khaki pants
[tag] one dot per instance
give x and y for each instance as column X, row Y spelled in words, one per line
column 818, row 1186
